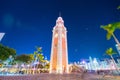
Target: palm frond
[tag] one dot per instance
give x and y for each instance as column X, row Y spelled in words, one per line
column 109, row 28
column 103, row 27
column 114, row 52
column 108, row 36
column 110, row 51
column 116, row 25
column 118, row 7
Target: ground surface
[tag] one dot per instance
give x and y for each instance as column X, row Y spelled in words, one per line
column 46, row 76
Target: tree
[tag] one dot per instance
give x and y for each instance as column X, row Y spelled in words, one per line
column 39, row 56
column 5, row 52
column 111, row 52
column 32, row 56
column 110, row 28
column 47, row 66
column 24, row 58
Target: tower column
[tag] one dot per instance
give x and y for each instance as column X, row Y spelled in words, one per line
column 67, row 67
column 59, row 59
column 51, row 61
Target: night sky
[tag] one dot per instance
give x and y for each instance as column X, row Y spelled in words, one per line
column 29, row 23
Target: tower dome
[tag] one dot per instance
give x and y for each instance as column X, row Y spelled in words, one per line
column 59, row 20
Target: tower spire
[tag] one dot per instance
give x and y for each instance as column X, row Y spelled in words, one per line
column 59, row 14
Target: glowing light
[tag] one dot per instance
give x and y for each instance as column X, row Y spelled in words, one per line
column 56, row 35
column 83, row 62
column 118, row 47
column 63, row 35
column 22, row 65
column 28, row 65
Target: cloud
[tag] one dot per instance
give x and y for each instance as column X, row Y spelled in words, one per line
column 10, row 22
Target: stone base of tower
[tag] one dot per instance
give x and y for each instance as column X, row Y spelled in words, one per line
column 59, row 71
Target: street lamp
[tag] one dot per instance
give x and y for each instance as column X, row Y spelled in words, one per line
column 118, row 48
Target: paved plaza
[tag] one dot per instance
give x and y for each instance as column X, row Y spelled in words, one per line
column 74, row 76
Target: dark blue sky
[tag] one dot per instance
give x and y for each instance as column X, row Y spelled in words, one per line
column 29, row 23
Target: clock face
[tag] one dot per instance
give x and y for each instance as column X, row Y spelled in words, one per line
column 59, row 24
column 63, row 35
column 56, row 35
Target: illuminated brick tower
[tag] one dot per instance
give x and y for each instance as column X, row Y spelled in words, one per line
column 59, row 52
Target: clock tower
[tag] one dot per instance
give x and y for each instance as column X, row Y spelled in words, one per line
column 59, row 51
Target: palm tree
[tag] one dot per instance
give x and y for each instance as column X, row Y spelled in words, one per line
column 110, row 28
column 111, row 52
column 39, row 56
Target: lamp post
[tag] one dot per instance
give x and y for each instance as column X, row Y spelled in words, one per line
column 118, row 48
